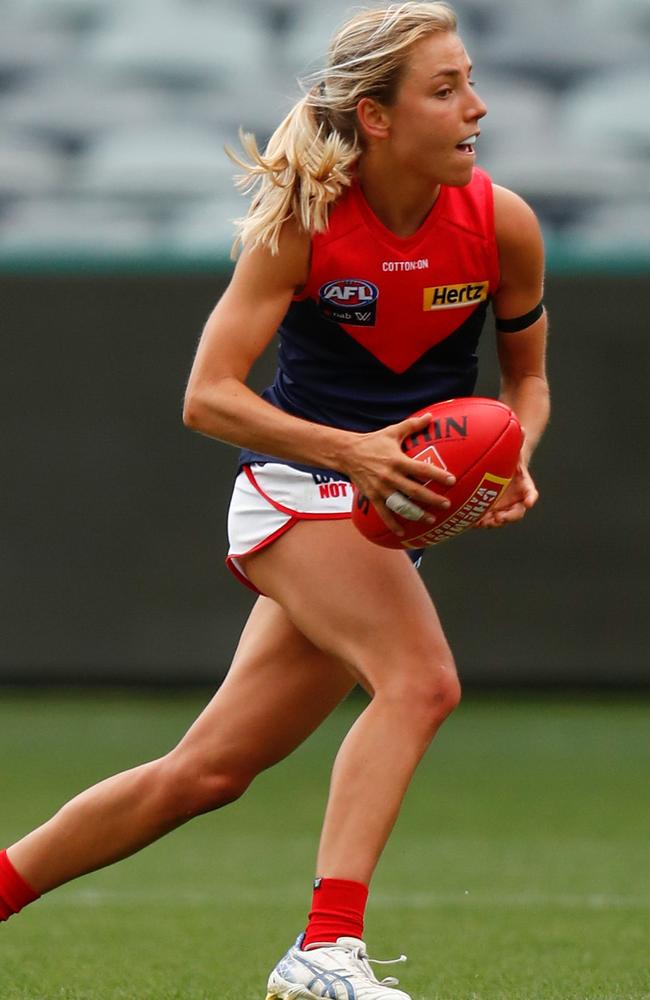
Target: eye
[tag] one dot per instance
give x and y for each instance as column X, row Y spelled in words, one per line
column 472, row 83
column 444, row 92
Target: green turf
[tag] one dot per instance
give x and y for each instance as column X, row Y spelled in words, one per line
column 518, row 871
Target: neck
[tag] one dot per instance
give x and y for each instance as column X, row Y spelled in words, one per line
column 401, row 204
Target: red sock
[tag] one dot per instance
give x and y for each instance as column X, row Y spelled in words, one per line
column 336, row 911
column 14, row 891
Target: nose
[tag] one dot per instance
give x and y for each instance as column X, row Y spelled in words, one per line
column 478, row 108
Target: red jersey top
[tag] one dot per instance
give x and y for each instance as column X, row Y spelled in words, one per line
column 398, row 297
column 388, row 325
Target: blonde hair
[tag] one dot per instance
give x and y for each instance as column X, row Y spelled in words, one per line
column 309, row 160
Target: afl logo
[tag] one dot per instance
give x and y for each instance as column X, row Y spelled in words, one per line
column 349, row 300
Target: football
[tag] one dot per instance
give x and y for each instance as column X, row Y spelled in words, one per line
column 478, row 440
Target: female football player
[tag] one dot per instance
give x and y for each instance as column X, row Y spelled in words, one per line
column 368, row 220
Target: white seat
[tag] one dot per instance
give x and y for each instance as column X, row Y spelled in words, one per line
column 566, row 175
column 631, row 18
column 71, row 105
column 252, row 105
column 558, row 44
column 161, row 162
column 206, row 227
column 29, row 167
column 615, row 229
column 61, row 13
column 65, row 226
column 164, row 42
column 28, row 49
column 611, row 109
column 518, row 112
column 306, row 45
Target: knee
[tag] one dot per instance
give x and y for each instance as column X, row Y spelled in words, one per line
column 450, row 694
column 192, row 787
column 428, row 697
column 434, row 697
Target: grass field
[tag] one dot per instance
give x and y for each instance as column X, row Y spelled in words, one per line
column 519, row 869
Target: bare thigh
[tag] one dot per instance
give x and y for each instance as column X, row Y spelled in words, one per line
column 363, row 604
column 279, row 688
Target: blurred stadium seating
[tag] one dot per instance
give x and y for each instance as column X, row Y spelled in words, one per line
column 114, row 115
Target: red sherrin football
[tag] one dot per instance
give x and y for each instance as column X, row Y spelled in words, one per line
column 476, row 439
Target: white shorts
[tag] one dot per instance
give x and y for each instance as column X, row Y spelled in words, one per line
column 270, row 498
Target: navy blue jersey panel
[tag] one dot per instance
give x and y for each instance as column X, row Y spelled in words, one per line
column 325, row 376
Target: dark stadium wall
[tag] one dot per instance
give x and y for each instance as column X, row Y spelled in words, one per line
column 113, row 515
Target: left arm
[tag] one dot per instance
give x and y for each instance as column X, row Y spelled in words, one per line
column 522, row 354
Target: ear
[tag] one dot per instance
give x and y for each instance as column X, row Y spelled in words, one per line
column 373, row 118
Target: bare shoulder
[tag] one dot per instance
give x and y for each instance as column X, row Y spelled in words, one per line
column 515, row 223
column 519, row 239
column 287, row 269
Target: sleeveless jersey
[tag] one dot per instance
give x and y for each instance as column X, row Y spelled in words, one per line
column 387, row 325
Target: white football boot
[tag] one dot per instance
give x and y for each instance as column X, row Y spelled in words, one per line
column 338, row 971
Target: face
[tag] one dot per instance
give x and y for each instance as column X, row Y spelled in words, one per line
column 436, row 111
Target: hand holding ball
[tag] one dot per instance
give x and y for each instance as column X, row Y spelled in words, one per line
column 476, row 439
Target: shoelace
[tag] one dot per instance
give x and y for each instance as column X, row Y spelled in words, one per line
column 366, row 961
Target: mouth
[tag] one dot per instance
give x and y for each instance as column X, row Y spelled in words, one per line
column 467, row 145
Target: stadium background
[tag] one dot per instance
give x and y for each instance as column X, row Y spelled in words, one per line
column 115, row 201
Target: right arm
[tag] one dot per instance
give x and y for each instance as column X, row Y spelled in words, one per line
column 218, row 402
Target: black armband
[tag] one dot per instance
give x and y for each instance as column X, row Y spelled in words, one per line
column 520, row 322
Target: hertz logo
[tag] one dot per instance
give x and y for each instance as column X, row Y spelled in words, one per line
column 455, row 296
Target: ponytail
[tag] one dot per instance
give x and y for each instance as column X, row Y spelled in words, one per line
column 310, row 158
column 304, row 169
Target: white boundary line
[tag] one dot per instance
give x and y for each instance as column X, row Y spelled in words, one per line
column 415, row 901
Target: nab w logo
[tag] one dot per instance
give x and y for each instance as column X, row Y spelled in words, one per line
column 352, row 301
